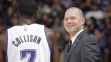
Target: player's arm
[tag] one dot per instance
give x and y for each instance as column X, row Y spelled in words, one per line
column 2, row 52
column 53, row 43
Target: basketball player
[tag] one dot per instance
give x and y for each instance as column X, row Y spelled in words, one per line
column 28, row 42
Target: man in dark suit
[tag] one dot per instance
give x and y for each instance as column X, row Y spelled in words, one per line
column 82, row 47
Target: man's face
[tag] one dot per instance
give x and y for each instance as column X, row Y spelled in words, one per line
column 73, row 21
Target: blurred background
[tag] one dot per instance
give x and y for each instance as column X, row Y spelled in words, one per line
column 51, row 13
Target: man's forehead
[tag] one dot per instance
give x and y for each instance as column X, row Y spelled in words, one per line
column 71, row 12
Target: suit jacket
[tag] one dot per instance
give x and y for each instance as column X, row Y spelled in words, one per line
column 84, row 49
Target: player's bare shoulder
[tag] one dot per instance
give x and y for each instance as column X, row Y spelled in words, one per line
column 51, row 36
column 3, row 40
column 53, row 43
column 50, row 32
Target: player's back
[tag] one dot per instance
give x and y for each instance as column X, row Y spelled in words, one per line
column 27, row 43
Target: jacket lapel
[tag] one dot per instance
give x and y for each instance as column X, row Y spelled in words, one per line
column 77, row 40
column 65, row 52
column 72, row 48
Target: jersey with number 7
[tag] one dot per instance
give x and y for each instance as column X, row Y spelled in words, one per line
column 28, row 43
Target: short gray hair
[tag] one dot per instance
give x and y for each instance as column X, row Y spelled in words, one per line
column 80, row 11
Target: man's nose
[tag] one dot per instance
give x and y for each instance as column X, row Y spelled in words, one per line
column 69, row 21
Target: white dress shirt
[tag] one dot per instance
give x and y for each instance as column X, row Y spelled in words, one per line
column 74, row 37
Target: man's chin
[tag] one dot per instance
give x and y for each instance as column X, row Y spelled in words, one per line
column 70, row 32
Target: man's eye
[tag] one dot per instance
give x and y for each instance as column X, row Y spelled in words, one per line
column 72, row 18
column 66, row 19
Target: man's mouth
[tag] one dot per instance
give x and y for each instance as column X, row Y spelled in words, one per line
column 70, row 25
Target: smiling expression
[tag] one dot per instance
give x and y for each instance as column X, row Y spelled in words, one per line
column 73, row 22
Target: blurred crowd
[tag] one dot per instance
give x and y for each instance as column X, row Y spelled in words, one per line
column 51, row 14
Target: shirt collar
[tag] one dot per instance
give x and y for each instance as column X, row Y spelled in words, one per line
column 74, row 37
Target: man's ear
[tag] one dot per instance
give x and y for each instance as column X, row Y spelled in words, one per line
column 35, row 16
column 83, row 21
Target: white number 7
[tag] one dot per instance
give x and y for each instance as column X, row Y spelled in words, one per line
column 31, row 52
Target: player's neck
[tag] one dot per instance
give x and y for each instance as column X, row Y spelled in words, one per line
column 26, row 21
